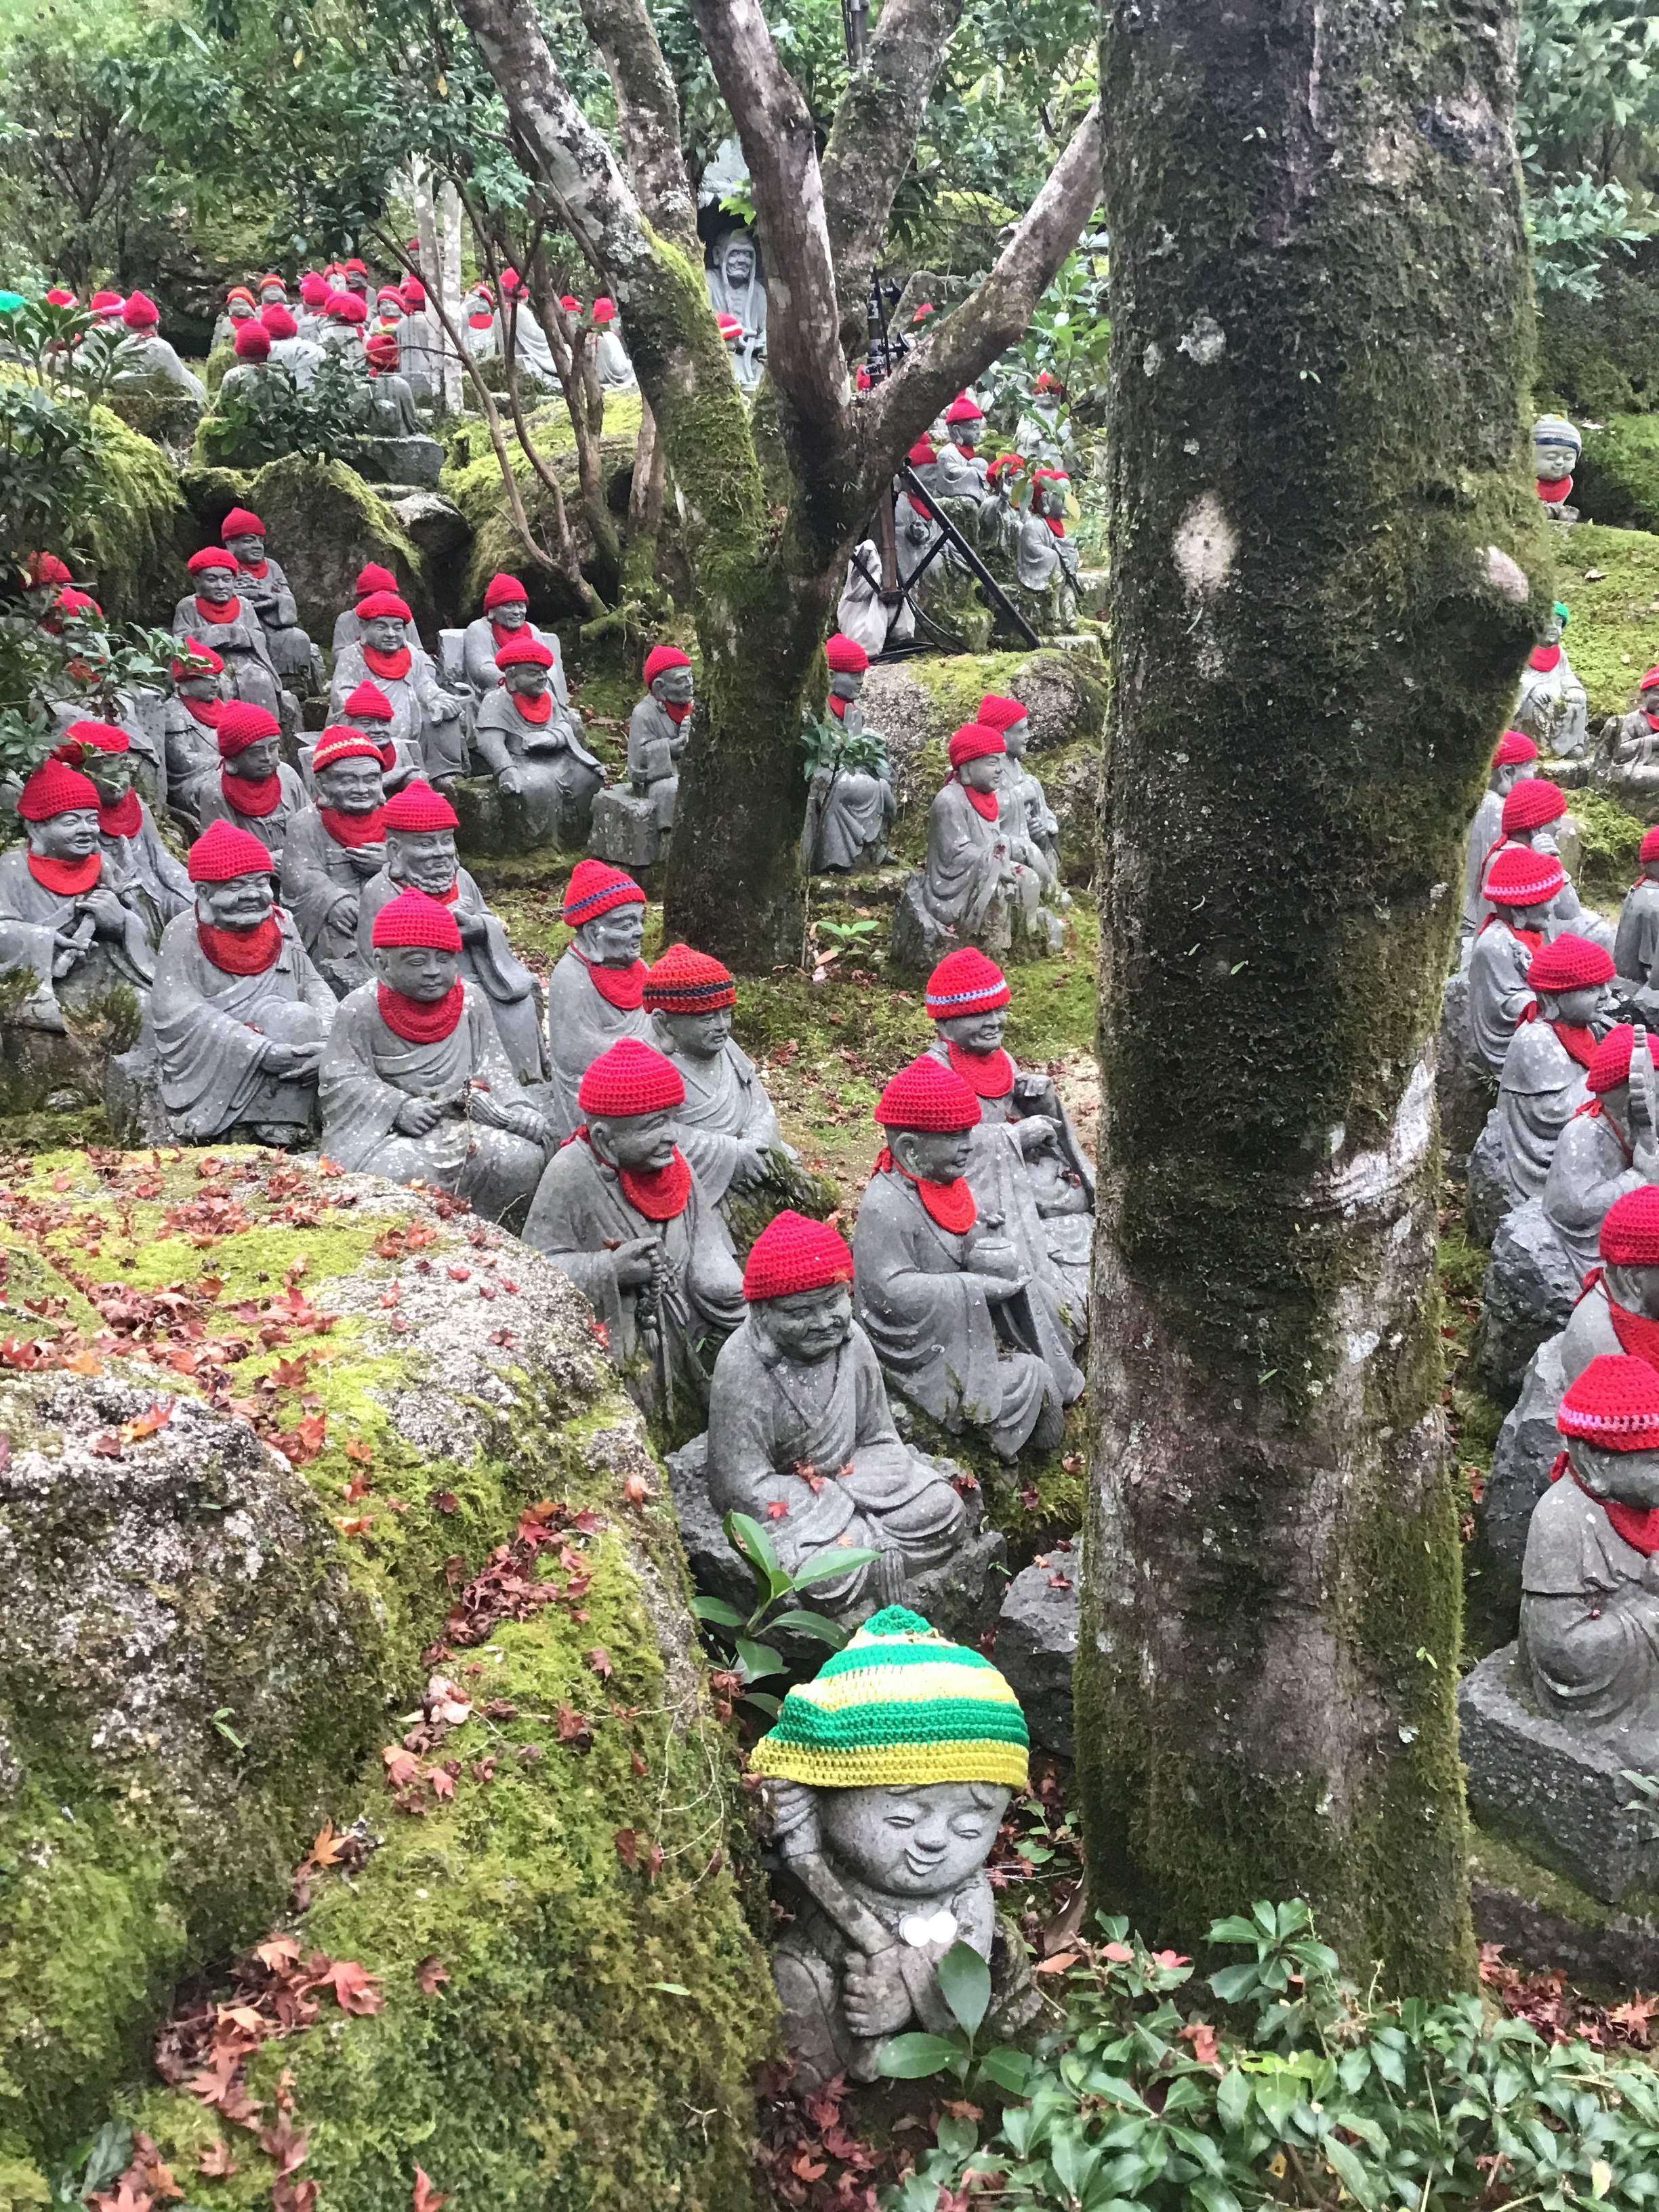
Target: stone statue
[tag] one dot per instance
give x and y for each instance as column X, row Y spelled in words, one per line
column 1521, row 888
column 191, row 727
column 520, row 324
column 979, row 874
column 239, row 309
column 1022, row 804
column 959, row 470
column 737, row 288
column 1045, row 558
column 371, row 714
column 332, row 850
column 886, row 1860
column 1629, row 745
column 137, row 866
column 382, row 655
column 372, row 579
column 621, row 1212
column 505, row 619
column 944, row 1299
column 1554, row 707
column 632, row 827
column 394, row 437
column 1510, row 763
column 1618, row 1310
column 595, row 994
column 1635, row 947
column 260, row 792
column 1556, row 446
column 997, row 523
column 252, row 374
column 1530, row 815
column 861, row 612
column 151, row 355
column 726, row 1123
column 850, row 802
column 415, row 1084
column 1027, row 1168
column 261, row 581
column 1610, row 1146
column 1043, row 431
column 420, row 827
column 344, row 324
column 314, row 289
column 355, row 276
column 215, row 613
column 239, row 1012
column 616, row 370
column 1542, row 1086
column 80, row 938
column 300, row 356
column 480, row 332
column 527, row 741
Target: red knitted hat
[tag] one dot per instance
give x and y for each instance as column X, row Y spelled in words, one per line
column 371, row 577
column 1649, row 679
column 503, row 590
column 1514, row 747
column 630, row 1079
column 791, row 1254
column 730, row 326
column 383, row 603
column 1614, row 1403
column 966, row 982
column 240, row 292
column 1649, row 847
column 212, row 557
column 687, row 983
column 382, row 349
column 1630, row 1229
column 107, row 303
column 241, row 522
column 369, row 702
column 605, row 311
column 922, row 455
column 195, row 659
column 1569, row 963
column 997, row 713
column 413, row 918
column 71, row 602
column 224, row 851
column 1521, row 877
column 927, row 1095
column 414, row 292
column 390, row 292
column 1533, row 801
column 58, row 297
column 241, row 724
column 44, row 569
column 347, row 308
column 98, row 737
column 594, row 888
column 355, row 268
column 523, row 651
column 962, row 408
column 338, row 743
column 313, row 290
column 141, row 311
column 56, row 789
column 661, row 658
column 1610, row 1062
column 278, row 320
column 845, row 655
column 417, row 806
column 253, row 342
column 1003, row 462
column 972, row 741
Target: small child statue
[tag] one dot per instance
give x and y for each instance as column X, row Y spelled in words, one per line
column 887, row 1777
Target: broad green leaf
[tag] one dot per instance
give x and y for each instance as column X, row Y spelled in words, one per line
column 750, row 1541
column 763, row 1701
column 1233, row 1982
column 1232, row 2098
column 1234, row 1929
column 758, row 1660
column 810, row 1623
column 1351, row 2173
column 1009, row 2070
column 832, row 1562
column 964, row 1980
column 717, row 1610
column 910, row 2057
column 957, row 2138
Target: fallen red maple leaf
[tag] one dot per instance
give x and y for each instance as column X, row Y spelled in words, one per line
column 426, row 2197
column 280, row 1951
column 401, row 1766
column 628, row 1847
column 216, row 2161
column 294, row 2195
column 286, row 2143
column 431, row 1975
column 355, row 1988
column 599, row 1660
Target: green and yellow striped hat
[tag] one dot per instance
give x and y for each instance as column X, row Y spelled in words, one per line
column 898, row 1704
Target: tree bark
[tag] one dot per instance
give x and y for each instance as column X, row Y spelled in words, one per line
column 1322, row 534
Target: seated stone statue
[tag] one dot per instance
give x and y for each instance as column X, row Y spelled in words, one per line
column 1636, row 945
column 151, row 355
column 137, row 866
column 240, row 1014
column 1554, row 707
column 59, row 919
column 419, row 826
column 505, row 620
column 261, row 581
column 736, row 287
column 1510, row 763
column 1629, row 744
column 300, row 355
column 1027, row 1168
column 885, row 1860
column 255, row 790
column 240, row 308
column 726, row 1123
column 191, row 727
column 1045, row 558
column 371, row 714
column 395, row 437
column 1022, row 803
column 1610, row 1146
column 1531, row 815
column 1589, row 1601
column 372, row 577
column 620, row 1211
column 850, row 801
column 615, row 369
column 959, row 470
column 332, row 850
column 1556, row 446
column 1542, row 1086
column 998, row 522
column 979, row 874
column 944, row 1300
column 1618, row 1310
column 480, row 330
column 527, row 741
column 253, row 376
column 382, row 655
column 216, row 615
column 863, row 614
column 658, row 731
column 595, row 994
column 415, row 1085
column 1521, row 888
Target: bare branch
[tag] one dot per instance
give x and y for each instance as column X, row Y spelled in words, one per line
column 647, row 115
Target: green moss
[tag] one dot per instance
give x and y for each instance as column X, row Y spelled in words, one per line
column 1600, row 357
column 222, row 358
column 1498, row 1859
column 1609, row 843
column 478, row 489
column 1609, row 580
column 139, row 573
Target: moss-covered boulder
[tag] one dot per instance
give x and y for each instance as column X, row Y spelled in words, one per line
column 1617, row 480
column 158, row 411
column 475, row 485
column 134, row 535
column 1600, row 357
column 282, row 1446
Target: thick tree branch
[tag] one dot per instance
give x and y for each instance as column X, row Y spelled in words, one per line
column 648, row 114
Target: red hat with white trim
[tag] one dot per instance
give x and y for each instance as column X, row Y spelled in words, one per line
column 1520, row 877
column 1614, row 1403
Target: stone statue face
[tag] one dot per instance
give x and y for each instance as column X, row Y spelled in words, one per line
column 208, row 686
column 1540, row 840
column 1553, row 629
column 847, row 685
column 424, row 972
column 694, row 1037
column 808, row 1326
column 351, row 786
column 357, row 282
column 1505, row 776
column 425, row 858
column 383, row 632
column 984, row 773
column 633, row 1141
column 256, row 761
column 613, row 940
column 1580, row 1009
column 217, row 585
column 369, row 727
column 242, row 902
column 924, row 1841
column 935, row 1155
column 69, row 836
column 974, row 1032
column 269, row 293
column 965, row 436
column 524, row 677
column 1556, row 446
column 1627, row 1477
column 111, row 775
column 738, row 261
column 1530, row 917
column 1016, row 737
column 241, row 312
column 249, row 549
column 674, row 687
column 1636, row 1289
column 512, row 614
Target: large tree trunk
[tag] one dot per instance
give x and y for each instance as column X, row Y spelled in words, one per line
column 1320, row 309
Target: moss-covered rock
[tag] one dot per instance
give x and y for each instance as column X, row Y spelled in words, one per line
column 222, row 358
column 1609, row 580
column 1617, row 479
column 134, row 536
column 206, row 1646
column 158, row 411
column 1600, row 357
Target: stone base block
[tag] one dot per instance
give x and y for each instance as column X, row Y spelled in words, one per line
column 1529, row 1292
column 1036, row 1646
column 132, row 1097
column 496, row 825
column 1565, row 1792
column 1521, row 1462
column 405, row 462
column 625, row 830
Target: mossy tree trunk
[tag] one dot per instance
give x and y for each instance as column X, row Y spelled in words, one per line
column 1327, row 567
